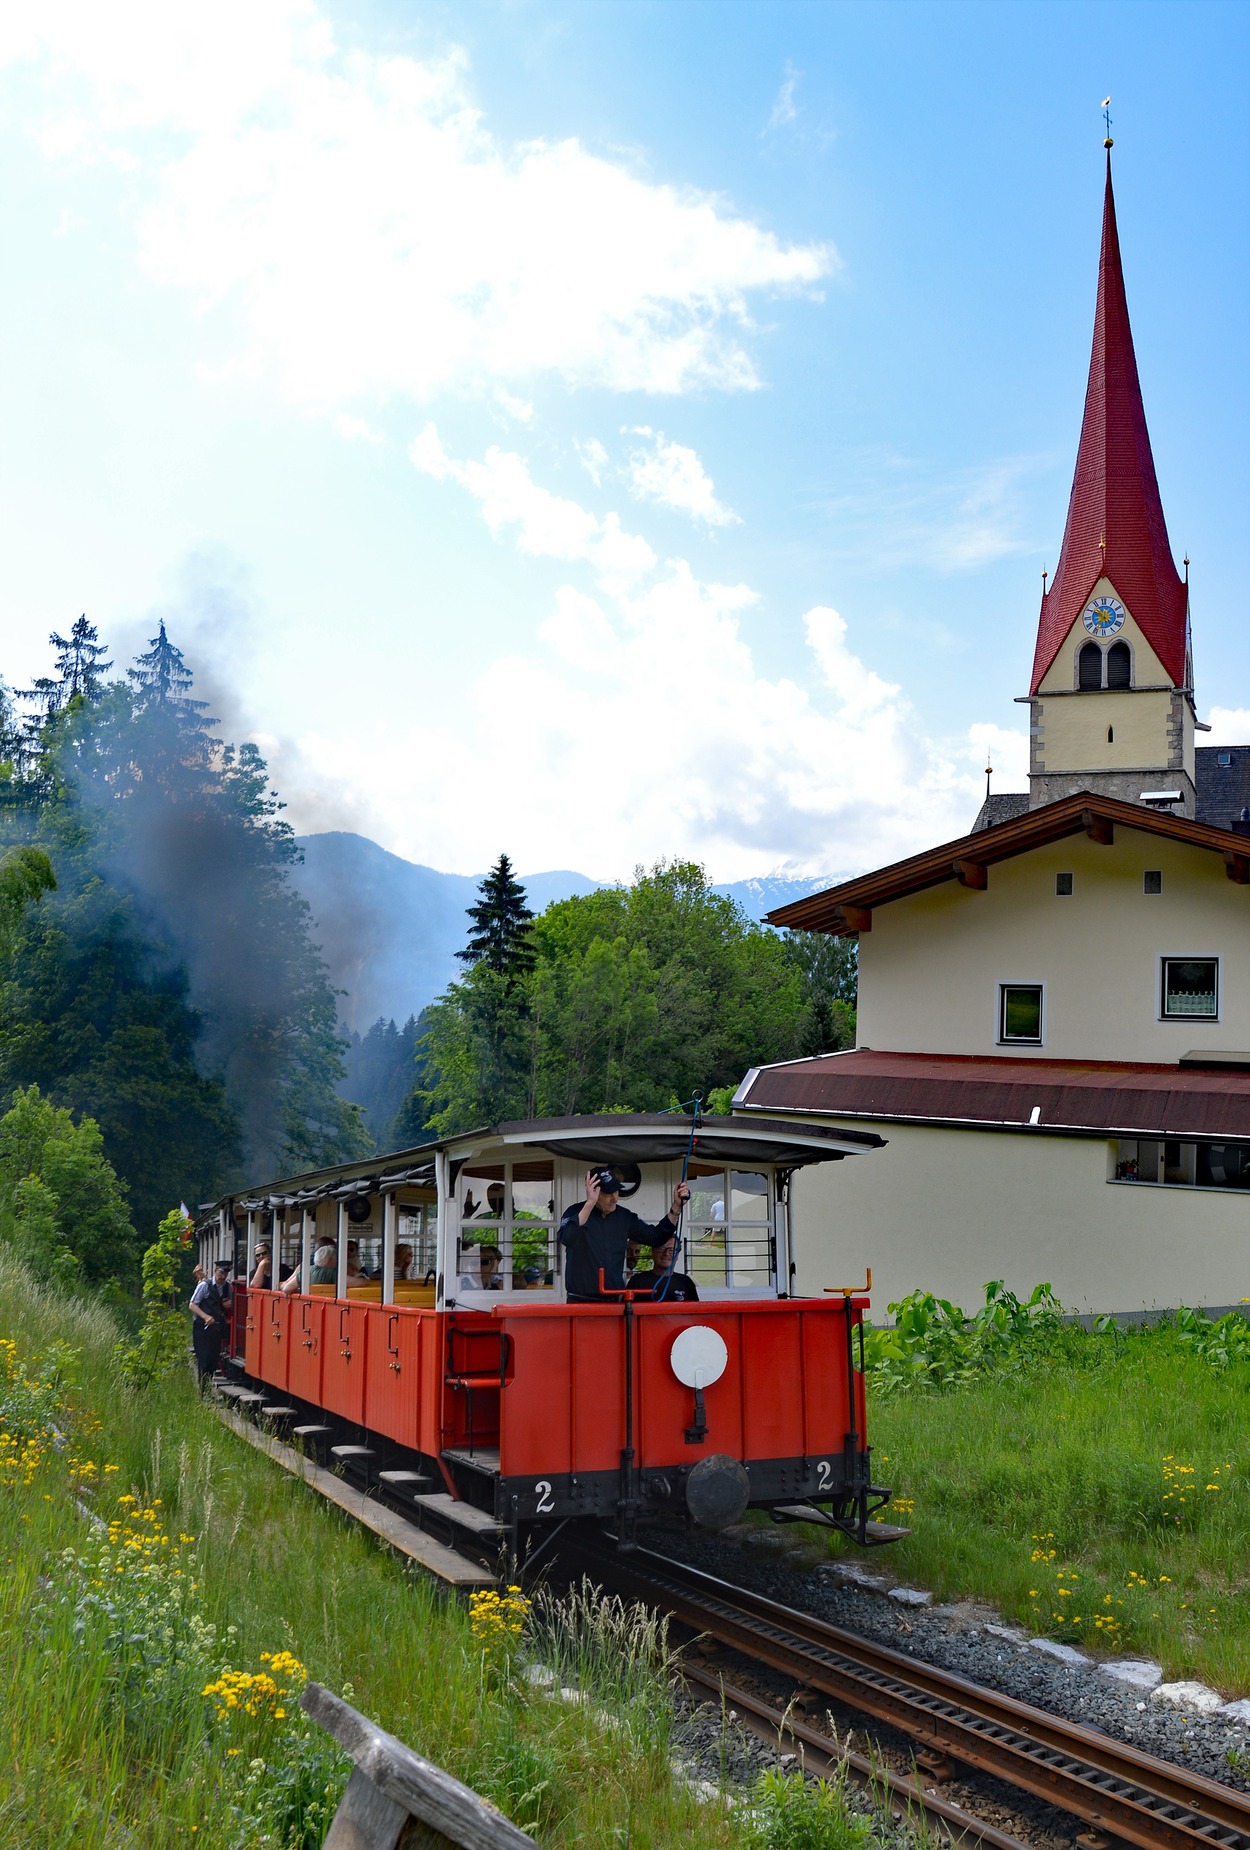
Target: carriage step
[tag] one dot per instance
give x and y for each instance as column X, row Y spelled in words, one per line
column 351, row 1451
column 231, row 1393
column 245, row 1397
column 876, row 1532
column 397, row 1479
column 278, row 1413
column 308, row 1432
column 462, row 1515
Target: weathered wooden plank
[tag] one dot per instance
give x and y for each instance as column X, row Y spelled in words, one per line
column 366, row 1819
column 426, row 1791
column 392, row 1528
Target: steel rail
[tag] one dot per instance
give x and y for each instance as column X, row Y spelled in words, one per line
column 821, row 1753
column 1115, row 1788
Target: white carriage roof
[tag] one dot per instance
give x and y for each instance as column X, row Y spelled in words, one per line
column 612, row 1137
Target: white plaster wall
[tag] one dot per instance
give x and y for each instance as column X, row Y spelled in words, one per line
column 947, row 1210
column 930, row 967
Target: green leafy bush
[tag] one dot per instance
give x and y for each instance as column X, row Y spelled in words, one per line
column 935, row 1344
column 789, row 1812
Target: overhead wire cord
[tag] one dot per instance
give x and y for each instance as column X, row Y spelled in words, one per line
column 659, row 1291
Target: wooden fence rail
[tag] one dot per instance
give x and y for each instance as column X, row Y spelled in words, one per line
column 395, row 1800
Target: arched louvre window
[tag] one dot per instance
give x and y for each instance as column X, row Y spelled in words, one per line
column 1119, row 665
column 1089, row 666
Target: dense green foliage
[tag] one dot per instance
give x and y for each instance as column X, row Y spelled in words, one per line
column 166, row 983
column 380, row 1067
column 162, row 1340
column 933, row 1343
column 61, row 1205
column 628, row 998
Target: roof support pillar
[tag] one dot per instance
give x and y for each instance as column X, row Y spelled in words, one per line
column 852, row 918
column 1237, row 867
column 971, row 874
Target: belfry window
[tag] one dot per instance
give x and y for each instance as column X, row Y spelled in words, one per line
column 1119, row 665
column 1089, row 667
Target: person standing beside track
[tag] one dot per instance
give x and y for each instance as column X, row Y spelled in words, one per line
column 595, row 1233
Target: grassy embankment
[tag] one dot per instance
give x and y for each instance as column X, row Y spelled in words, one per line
column 1095, row 1487
column 152, row 1662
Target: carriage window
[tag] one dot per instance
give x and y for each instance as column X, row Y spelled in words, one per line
column 418, row 1230
column 729, row 1229
column 507, row 1226
column 1119, row 665
column 1089, row 666
column 1190, row 987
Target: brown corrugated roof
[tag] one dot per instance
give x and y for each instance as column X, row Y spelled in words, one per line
column 1104, row 1097
column 842, row 909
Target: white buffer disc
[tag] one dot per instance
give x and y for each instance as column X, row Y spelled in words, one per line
column 698, row 1356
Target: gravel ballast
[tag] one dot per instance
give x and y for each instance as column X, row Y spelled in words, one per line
column 973, row 1641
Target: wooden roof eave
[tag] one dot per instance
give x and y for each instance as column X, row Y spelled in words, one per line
column 846, row 909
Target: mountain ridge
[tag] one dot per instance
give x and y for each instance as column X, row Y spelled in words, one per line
column 389, row 928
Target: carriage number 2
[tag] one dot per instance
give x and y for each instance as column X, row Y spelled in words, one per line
column 542, row 1491
column 824, row 1474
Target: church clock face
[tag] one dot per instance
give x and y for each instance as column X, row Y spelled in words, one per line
column 1103, row 616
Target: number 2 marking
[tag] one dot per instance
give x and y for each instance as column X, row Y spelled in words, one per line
column 824, row 1474
column 543, row 1491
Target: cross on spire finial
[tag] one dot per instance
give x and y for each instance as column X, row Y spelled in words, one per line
column 1106, row 116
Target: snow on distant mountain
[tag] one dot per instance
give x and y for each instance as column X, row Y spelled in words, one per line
column 390, row 929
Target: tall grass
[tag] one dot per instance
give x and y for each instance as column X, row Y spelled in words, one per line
column 165, row 1589
column 1096, row 1489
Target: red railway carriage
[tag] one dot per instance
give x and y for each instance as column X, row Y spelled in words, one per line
column 425, row 1322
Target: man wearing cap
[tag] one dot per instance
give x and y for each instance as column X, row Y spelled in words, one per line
column 595, row 1233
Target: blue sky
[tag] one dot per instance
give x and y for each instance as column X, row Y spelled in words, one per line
column 616, row 430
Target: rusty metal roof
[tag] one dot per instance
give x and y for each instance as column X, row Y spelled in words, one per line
column 1089, row 1097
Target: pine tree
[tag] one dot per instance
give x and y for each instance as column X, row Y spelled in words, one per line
column 501, row 920
column 78, row 662
column 162, row 678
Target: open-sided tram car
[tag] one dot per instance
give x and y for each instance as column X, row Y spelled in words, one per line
column 512, row 1402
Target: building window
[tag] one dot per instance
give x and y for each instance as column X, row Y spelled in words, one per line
column 1063, row 885
column 1183, row 1165
column 1152, row 881
column 1225, row 759
column 1020, row 1014
column 1089, row 667
column 1110, row 735
column 1119, row 665
column 1190, row 987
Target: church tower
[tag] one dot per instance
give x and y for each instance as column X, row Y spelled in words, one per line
column 1111, row 696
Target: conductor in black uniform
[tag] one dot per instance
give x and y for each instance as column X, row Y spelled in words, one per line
column 594, row 1233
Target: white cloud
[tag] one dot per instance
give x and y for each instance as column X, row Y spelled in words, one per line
column 783, row 109
column 548, row 526
column 696, row 752
column 955, row 524
column 518, row 408
column 672, row 476
column 350, row 225
column 593, row 458
column 357, row 430
column 1229, row 726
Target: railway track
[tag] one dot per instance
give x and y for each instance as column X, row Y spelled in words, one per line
column 821, row 1755
column 1119, row 1793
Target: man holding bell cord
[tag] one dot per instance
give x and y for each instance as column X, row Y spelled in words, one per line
column 594, row 1233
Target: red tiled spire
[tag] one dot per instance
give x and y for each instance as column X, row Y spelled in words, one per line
column 1115, row 496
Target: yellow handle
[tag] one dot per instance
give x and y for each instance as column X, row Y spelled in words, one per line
column 850, row 1291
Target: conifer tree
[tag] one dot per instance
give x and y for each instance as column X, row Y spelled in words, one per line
column 162, row 678
column 78, row 662
column 501, row 921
